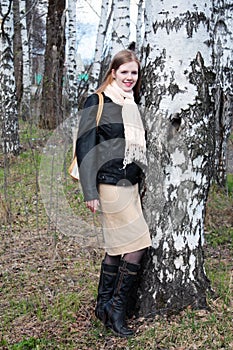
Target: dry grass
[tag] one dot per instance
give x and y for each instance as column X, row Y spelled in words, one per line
column 48, row 282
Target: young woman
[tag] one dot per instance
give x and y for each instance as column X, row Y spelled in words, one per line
column 111, row 159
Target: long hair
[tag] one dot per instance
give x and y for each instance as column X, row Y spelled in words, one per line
column 122, row 57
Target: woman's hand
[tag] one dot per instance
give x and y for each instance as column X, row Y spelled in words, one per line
column 93, row 205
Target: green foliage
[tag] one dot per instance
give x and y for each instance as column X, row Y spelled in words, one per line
column 65, row 306
column 230, row 183
column 220, row 237
column 29, row 344
column 1, row 174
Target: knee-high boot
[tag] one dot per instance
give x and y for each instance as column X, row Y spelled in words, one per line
column 115, row 309
column 107, row 280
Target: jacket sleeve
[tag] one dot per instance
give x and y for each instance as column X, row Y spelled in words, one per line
column 86, row 150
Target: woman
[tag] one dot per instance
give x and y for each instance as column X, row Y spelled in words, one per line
column 111, row 157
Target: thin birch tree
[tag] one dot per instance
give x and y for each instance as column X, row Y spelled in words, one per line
column 120, row 26
column 8, row 105
column 139, row 26
column 26, row 77
column 71, row 66
column 222, row 51
column 181, row 111
column 98, row 58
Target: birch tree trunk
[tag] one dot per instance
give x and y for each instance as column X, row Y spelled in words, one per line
column 71, row 56
column 221, row 40
column 98, row 58
column 121, row 26
column 139, row 26
column 180, row 117
column 25, row 102
column 8, row 105
column 51, row 104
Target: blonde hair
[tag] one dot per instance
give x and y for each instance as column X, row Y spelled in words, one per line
column 122, row 57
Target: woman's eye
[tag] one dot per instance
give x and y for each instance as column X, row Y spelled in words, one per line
column 126, row 72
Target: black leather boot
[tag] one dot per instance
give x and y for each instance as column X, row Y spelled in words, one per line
column 115, row 309
column 107, row 280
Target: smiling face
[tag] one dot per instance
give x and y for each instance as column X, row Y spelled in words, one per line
column 126, row 76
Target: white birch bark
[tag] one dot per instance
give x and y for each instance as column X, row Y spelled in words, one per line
column 8, row 105
column 71, row 62
column 139, row 26
column 25, row 101
column 96, row 68
column 121, row 26
column 179, row 81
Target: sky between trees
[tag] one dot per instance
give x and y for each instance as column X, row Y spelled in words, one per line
column 88, row 12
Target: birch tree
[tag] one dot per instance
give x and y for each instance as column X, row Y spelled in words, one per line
column 26, row 77
column 139, row 25
column 101, row 33
column 184, row 94
column 8, row 105
column 51, row 105
column 121, row 26
column 221, row 39
column 71, row 55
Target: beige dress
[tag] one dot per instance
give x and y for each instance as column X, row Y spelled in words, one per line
column 124, row 227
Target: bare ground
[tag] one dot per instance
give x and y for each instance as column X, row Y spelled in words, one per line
column 48, row 288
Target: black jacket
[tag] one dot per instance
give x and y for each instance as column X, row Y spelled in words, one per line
column 100, row 150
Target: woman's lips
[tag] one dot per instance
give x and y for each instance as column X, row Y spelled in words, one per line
column 128, row 84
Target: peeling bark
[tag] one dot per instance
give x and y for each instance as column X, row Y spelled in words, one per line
column 72, row 77
column 24, row 103
column 8, row 104
column 121, row 26
column 139, row 25
column 179, row 113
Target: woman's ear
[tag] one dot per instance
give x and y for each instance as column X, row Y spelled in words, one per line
column 113, row 73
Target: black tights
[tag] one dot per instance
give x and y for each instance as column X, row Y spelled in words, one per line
column 133, row 258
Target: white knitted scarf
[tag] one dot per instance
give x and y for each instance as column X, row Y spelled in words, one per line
column 135, row 144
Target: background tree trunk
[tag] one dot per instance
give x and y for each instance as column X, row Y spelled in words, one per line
column 139, row 25
column 8, row 104
column 18, row 55
column 51, row 105
column 179, row 112
column 71, row 66
column 221, row 42
column 121, row 26
column 98, row 58
column 26, row 96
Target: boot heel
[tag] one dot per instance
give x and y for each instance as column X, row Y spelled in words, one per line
column 106, row 321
